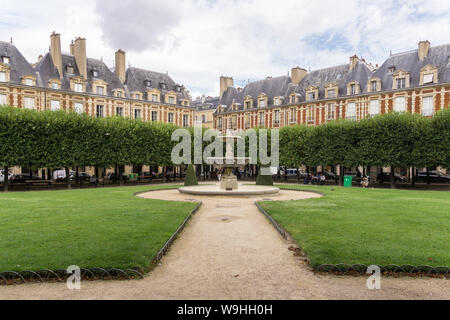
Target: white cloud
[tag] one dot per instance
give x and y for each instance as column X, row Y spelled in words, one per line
column 196, row 41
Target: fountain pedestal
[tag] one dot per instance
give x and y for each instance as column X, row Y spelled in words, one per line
column 228, row 181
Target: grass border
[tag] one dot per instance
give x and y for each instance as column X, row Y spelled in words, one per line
column 357, row 269
column 92, row 274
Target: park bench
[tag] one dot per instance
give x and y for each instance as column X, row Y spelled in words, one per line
column 38, row 183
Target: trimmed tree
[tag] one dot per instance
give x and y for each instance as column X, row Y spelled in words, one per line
column 191, row 178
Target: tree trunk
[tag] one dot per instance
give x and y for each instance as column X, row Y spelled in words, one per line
column 392, row 175
column 77, row 175
column 428, row 176
column 413, row 177
column 121, row 182
column 69, row 185
column 164, row 174
column 341, row 176
column 6, row 181
column 298, row 175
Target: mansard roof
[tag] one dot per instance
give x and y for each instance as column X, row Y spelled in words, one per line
column 272, row 87
column 207, row 103
column 339, row 75
column 47, row 71
column 136, row 78
column 19, row 65
column 438, row 56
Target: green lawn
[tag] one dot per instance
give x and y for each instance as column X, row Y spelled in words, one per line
column 106, row 227
column 371, row 226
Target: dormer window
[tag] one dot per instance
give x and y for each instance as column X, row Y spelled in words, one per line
column 401, row 83
column 171, row 100
column 77, row 87
column 428, row 78
column 391, row 69
column 28, row 82
column 331, row 93
column 155, row 98
column 373, row 86
column 248, row 104
column 353, row 89
column 178, row 88
column 311, row 96
column 69, row 69
column 262, row 103
column 55, row 85
column 95, row 73
column 148, row 83
column 6, row 60
column 162, row 85
column 100, row 91
column 2, row 76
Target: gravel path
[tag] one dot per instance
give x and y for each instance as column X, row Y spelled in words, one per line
column 230, row 251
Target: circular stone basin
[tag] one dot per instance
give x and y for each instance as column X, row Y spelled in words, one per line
column 215, row 190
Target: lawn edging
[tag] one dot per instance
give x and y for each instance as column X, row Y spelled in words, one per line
column 92, row 274
column 356, row 269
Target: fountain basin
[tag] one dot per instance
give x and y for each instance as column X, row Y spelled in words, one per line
column 215, row 190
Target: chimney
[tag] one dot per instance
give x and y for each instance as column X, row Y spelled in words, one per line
column 353, row 62
column 79, row 51
column 55, row 51
column 225, row 83
column 298, row 74
column 424, row 46
column 120, row 65
column 72, row 51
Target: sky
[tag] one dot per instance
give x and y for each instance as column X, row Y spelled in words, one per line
column 197, row 41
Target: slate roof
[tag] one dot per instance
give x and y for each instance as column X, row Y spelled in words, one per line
column 19, row 65
column 272, row 87
column 438, row 56
column 208, row 103
column 47, row 70
column 135, row 81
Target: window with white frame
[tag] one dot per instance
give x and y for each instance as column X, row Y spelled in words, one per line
column 185, row 120
column 99, row 111
column 55, row 85
column 261, row 119
column 311, row 114
column 6, row 60
column 277, row 101
column 277, row 117
column 154, row 97
column 427, row 106
column 331, row 111
column 137, row 113
column 220, row 123
column 401, row 83
column 311, row 96
column 170, row 117
column 171, row 100
column 119, row 94
column 400, row 104
column 28, row 103
column 154, row 116
column 2, row 99
column 293, row 115
column 78, row 107
column 28, row 82
column 353, row 89
column 203, row 118
column 428, row 78
column 373, row 86
column 2, row 76
column 100, row 90
column 119, row 111
column 54, row 105
column 331, row 93
column 374, row 107
column 351, row 111
column 78, row 87
column 262, row 103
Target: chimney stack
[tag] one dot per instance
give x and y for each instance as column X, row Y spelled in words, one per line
column 225, row 83
column 353, row 62
column 298, row 74
column 72, row 51
column 424, row 46
column 120, row 65
column 79, row 51
column 55, row 51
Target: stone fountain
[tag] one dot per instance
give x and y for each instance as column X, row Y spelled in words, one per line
column 228, row 183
